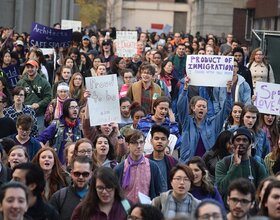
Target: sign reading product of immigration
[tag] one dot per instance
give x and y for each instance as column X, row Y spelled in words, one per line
column 45, row 37
column 126, row 43
column 268, row 98
column 209, row 70
column 103, row 103
column 71, row 24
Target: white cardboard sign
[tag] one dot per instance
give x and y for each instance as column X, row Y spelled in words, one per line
column 126, row 43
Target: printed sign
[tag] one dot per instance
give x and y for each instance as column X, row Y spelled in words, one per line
column 45, row 37
column 12, row 73
column 71, row 24
column 103, row 104
column 209, row 70
column 268, row 98
column 126, row 43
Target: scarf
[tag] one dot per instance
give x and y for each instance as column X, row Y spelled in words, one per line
column 58, row 107
column 131, row 163
column 69, row 123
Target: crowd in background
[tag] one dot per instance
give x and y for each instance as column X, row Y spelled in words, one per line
column 198, row 152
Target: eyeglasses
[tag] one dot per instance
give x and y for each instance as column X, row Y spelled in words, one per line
column 102, row 188
column 180, row 179
column 74, row 107
column 214, row 215
column 137, row 142
column 242, row 202
column 131, row 217
column 78, row 174
column 84, row 151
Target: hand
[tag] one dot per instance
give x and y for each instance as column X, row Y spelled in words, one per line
column 171, row 115
column 229, row 85
column 236, row 156
column 51, row 109
column 35, row 106
column 87, row 94
column 187, row 81
column 115, row 126
column 254, row 97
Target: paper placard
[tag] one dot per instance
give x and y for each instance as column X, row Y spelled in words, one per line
column 209, row 70
column 126, row 43
column 268, row 98
column 71, row 24
column 103, row 104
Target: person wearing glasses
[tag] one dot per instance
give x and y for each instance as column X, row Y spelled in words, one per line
column 240, row 199
column 55, row 176
column 23, row 137
column 66, row 199
column 178, row 200
column 19, row 108
column 104, row 200
column 210, row 209
column 138, row 173
column 66, row 129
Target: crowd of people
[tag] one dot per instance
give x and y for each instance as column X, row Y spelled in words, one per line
column 179, row 152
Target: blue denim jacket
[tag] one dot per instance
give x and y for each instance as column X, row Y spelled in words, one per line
column 209, row 128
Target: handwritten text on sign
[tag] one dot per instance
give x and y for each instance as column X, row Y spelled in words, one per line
column 126, row 43
column 207, row 70
column 103, row 103
column 268, row 98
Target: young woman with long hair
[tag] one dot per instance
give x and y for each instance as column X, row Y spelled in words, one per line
column 55, row 176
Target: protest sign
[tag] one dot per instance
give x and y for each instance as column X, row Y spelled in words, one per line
column 12, row 74
column 209, row 70
column 71, row 24
column 126, row 43
column 45, row 37
column 268, row 98
column 103, row 104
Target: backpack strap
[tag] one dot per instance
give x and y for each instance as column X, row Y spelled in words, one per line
column 62, row 197
column 126, row 205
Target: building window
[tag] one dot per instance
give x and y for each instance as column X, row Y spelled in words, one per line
column 180, row 22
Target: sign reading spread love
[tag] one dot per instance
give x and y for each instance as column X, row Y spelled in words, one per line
column 103, row 104
column 45, row 37
column 268, row 98
column 209, row 70
column 126, row 43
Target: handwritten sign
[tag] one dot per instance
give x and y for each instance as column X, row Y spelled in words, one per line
column 45, row 37
column 71, row 24
column 103, row 104
column 268, row 98
column 126, row 43
column 12, row 74
column 209, row 70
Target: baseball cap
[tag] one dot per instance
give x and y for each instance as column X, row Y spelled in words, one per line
column 19, row 43
column 32, row 63
column 85, row 37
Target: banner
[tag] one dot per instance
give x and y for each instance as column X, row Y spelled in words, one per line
column 268, row 98
column 126, row 43
column 209, row 70
column 103, row 104
column 45, row 37
column 12, row 74
column 71, row 24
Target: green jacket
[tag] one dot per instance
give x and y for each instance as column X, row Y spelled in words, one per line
column 226, row 172
column 43, row 89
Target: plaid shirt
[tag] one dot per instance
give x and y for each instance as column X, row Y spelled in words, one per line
column 11, row 112
column 146, row 123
